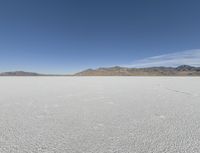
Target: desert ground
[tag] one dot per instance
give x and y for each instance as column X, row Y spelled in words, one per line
column 99, row 114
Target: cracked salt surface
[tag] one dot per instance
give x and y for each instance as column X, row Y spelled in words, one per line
column 99, row 114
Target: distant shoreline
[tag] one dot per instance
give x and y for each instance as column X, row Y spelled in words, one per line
column 183, row 70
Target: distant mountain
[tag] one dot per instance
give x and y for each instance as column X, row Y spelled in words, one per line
column 20, row 73
column 23, row 73
column 183, row 70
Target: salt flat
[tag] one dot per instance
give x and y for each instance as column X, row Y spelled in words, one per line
column 99, row 114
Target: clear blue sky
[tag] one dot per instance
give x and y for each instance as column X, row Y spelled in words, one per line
column 63, row 36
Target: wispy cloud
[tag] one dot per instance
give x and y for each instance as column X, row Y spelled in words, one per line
column 188, row 57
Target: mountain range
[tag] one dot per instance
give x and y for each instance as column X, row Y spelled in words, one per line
column 183, row 70
column 20, row 73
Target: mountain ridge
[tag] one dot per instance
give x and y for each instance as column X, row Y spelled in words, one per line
column 182, row 70
column 20, row 73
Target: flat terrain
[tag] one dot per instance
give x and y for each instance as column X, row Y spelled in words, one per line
column 100, row 114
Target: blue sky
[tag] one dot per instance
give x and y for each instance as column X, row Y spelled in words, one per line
column 65, row 36
column 189, row 57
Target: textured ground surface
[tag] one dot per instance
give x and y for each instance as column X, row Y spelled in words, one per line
column 100, row 114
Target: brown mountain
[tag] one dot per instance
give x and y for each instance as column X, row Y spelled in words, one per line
column 183, row 70
column 19, row 73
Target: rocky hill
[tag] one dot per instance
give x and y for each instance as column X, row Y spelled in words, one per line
column 183, row 70
column 19, row 73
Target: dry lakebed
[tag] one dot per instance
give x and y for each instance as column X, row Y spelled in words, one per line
column 99, row 114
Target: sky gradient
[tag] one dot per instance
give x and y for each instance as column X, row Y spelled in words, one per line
column 66, row 36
